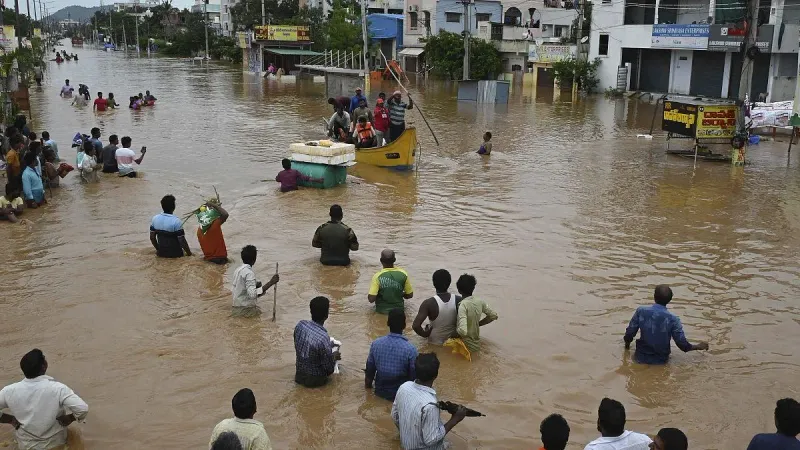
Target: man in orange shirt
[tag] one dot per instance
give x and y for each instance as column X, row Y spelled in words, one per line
column 13, row 164
column 210, row 235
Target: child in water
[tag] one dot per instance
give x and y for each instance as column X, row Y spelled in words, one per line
column 11, row 205
column 87, row 163
column 486, row 147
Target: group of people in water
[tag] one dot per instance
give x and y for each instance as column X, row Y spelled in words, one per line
column 102, row 104
column 354, row 122
column 41, row 409
column 33, row 164
column 64, row 56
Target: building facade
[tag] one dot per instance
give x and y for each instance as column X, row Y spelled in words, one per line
column 213, row 9
column 511, row 28
column 225, row 19
column 682, row 47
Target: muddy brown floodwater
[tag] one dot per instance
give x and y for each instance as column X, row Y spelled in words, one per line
column 568, row 227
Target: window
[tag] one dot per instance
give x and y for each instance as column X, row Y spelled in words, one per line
column 606, row 2
column 557, row 31
column 412, row 20
column 602, row 49
column 452, row 17
column 226, row 9
column 481, row 17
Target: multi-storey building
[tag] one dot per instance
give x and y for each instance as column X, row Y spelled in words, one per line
column 694, row 46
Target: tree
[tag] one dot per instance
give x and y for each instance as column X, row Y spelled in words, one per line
column 565, row 71
column 445, row 54
column 344, row 27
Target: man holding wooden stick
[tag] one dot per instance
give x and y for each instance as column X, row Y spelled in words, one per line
column 246, row 289
column 397, row 115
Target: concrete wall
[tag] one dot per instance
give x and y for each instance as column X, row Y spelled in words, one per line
column 411, row 37
column 634, row 36
column 337, row 84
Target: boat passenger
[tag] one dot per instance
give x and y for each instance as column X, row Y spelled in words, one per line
column 362, row 110
column 381, row 120
column 339, row 124
column 355, row 101
column 365, row 134
column 397, row 115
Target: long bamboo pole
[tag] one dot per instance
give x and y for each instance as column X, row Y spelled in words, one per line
column 409, row 96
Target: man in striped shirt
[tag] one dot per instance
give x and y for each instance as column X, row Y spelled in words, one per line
column 397, row 115
column 416, row 411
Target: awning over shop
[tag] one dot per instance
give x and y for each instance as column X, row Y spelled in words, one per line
column 412, row 51
column 292, row 52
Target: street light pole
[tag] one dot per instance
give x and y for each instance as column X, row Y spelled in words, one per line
column 137, row 35
column 205, row 22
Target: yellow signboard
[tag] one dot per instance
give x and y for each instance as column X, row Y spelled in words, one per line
column 242, row 39
column 717, row 121
column 37, row 32
column 284, row 33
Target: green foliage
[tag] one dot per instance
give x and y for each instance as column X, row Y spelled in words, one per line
column 445, row 54
column 226, row 48
column 344, row 27
column 484, row 60
column 614, row 92
column 566, row 70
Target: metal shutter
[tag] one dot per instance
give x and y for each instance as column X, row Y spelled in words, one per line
column 707, row 72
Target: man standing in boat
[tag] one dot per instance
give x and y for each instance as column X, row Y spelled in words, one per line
column 397, row 115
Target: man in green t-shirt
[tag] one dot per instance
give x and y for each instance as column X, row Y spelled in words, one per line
column 390, row 286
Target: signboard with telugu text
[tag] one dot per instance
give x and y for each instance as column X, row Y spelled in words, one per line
column 717, row 121
column 550, row 53
column 679, row 118
column 693, row 36
column 283, row 33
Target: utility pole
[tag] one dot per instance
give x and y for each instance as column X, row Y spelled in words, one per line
column 746, row 82
column 365, row 34
column 16, row 24
column 263, row 12
column 579, row 56
column 137, row 34
column 124, row 37
column 205, row 22
column 30, row 24
column 467, row 26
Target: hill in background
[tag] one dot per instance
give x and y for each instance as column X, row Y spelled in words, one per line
column 79, row 13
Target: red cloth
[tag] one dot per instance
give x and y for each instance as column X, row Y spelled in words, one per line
column 212, row 242
column 101, row 104
column 381, row 115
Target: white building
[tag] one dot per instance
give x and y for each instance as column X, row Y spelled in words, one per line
column 226, row 21
column 511, row 28
column 686, row 47
column 213, row 9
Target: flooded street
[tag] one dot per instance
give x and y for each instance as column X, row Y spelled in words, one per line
column 567, row 227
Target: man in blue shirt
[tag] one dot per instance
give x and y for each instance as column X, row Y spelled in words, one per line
column 787, row 421
column 98, row 144
column 658, row 326
column 354, row 100
column 166, row 232
column 316, row 359
column 391, row 359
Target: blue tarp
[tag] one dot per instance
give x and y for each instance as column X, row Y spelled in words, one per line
column 386, row 26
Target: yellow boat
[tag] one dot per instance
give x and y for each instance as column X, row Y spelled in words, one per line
column 398, row 155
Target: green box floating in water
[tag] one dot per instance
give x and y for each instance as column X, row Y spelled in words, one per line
column 332, row 175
